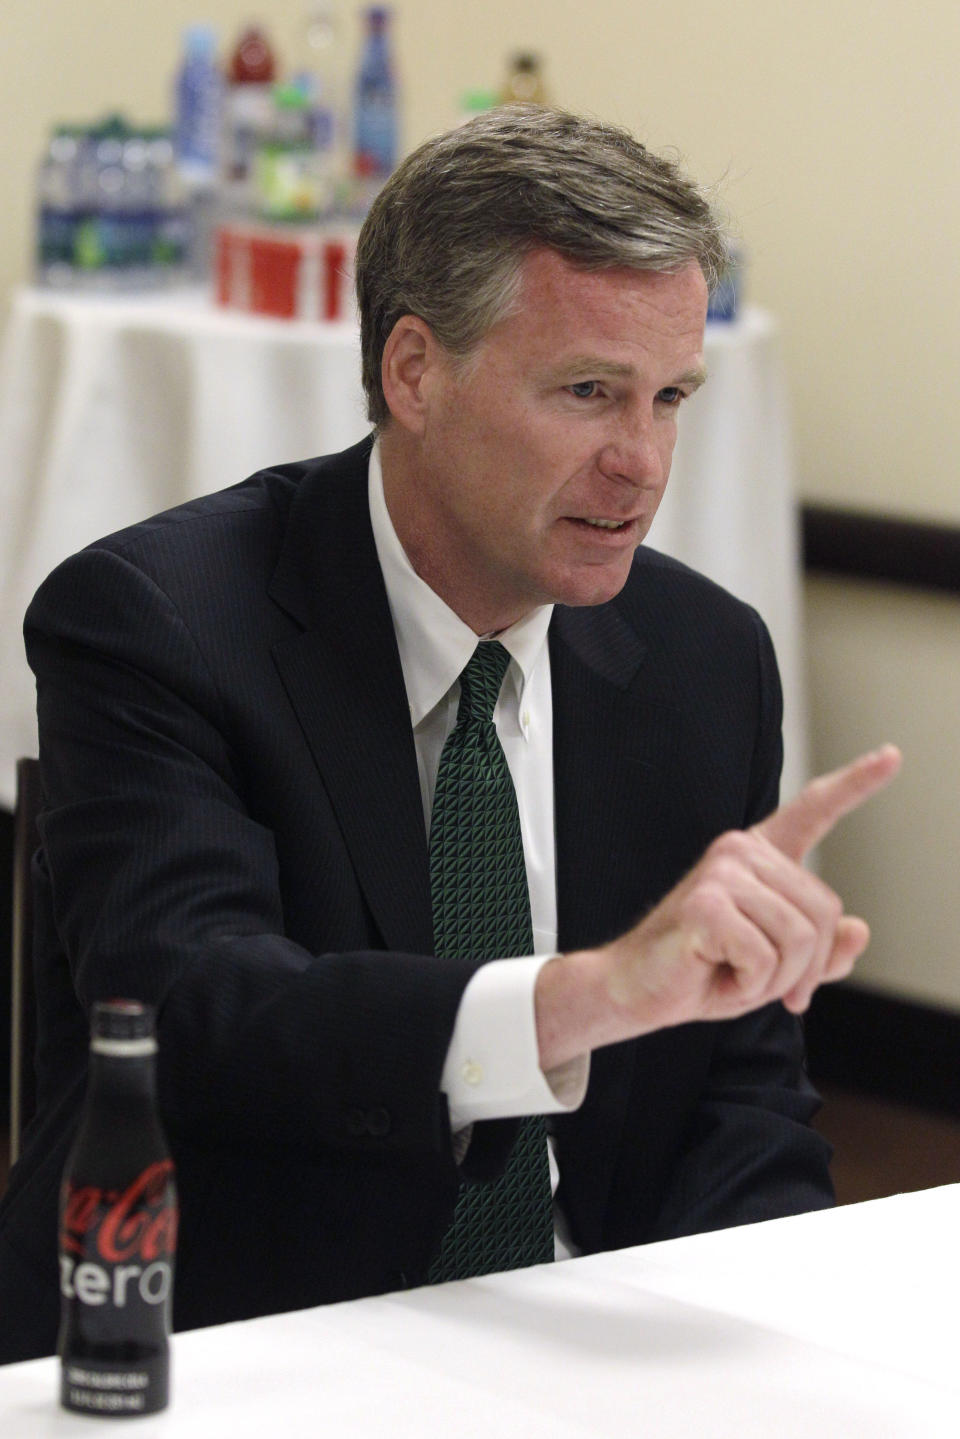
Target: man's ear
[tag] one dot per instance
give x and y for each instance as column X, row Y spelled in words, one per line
column 411, row 359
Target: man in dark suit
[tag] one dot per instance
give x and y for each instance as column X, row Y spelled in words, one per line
column 243, row 705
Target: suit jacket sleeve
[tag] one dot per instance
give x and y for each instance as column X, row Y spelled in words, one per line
column 749, row 1152
column 164, row 883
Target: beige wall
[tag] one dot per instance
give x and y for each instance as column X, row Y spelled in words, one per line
column 832, row 125
column 884, row 661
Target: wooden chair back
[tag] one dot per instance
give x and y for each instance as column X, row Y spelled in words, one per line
column 23, row 1020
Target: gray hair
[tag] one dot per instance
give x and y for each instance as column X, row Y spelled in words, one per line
column 447, row 236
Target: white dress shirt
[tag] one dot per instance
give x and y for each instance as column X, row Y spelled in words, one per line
column 492, row 1068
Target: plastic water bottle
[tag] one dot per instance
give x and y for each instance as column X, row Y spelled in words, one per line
column 524, row 81
column 199, row 93
column 320, row 80
column 726, row 300
column 248, row 103
column 291, row 181
column 60, row 205
column 172, row 208
column 198, row 134
column 375, row 139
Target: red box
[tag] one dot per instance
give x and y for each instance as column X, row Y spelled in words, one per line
column 272, row 270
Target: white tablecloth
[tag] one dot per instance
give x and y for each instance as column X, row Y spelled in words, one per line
column 836, row 1325
column 113, row 408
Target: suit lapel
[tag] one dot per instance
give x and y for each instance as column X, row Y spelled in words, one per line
column 612, row 745
column 343, row 677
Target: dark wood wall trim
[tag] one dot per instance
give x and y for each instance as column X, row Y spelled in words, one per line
column 896, row 1049
column 879, row 547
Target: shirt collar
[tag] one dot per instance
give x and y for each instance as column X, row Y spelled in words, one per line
column 434, row 642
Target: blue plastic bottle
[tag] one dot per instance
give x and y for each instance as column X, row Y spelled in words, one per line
column 199, row 95
column 375, row 126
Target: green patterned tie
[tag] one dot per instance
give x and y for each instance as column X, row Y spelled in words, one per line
column 481, row 910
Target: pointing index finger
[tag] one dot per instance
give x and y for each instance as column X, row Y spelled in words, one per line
column 795, row 828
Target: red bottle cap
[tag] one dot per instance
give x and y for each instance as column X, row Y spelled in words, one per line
column 252, row 62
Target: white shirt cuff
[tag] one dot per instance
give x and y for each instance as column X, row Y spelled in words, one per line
column 492, row 1069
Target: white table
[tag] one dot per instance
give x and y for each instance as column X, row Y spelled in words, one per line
column 113, row 408
column 837, row 1325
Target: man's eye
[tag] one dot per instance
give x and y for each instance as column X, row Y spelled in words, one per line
column 671, row 395
column 583, row 389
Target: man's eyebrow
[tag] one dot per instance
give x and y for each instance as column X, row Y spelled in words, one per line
column 694, row 378
column 610, row 369
column 596, row 367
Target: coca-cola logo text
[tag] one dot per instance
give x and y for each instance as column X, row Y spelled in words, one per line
column 94, row 1284
column 138, row 1222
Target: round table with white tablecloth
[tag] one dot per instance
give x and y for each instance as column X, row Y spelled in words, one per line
column 114, row 407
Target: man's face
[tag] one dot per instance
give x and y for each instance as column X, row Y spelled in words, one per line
column 543, row 463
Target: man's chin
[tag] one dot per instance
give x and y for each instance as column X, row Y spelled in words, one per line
column 594, row 587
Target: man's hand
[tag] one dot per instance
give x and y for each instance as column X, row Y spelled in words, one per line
column 746, row 926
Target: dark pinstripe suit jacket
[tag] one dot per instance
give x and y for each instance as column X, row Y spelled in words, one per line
column 234, row 832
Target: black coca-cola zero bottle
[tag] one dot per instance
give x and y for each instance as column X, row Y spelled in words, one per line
column 118, row 1228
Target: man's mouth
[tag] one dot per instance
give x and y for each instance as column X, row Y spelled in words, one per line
column 606, row 524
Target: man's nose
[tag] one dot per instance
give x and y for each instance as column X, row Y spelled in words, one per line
column 632, row 455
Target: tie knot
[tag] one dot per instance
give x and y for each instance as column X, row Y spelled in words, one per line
column 481, row 680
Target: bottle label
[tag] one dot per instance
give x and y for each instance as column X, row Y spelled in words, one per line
column 292, row 182
column 57, row 232
column 90, row 1387
column 116, row 1247
column 375, row 129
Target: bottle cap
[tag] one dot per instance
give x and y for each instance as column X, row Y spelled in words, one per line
column 112, row 127
column 123, row 1027
column 200, row 42
column 253, row 60
column 474, row 102
column 290, row 97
